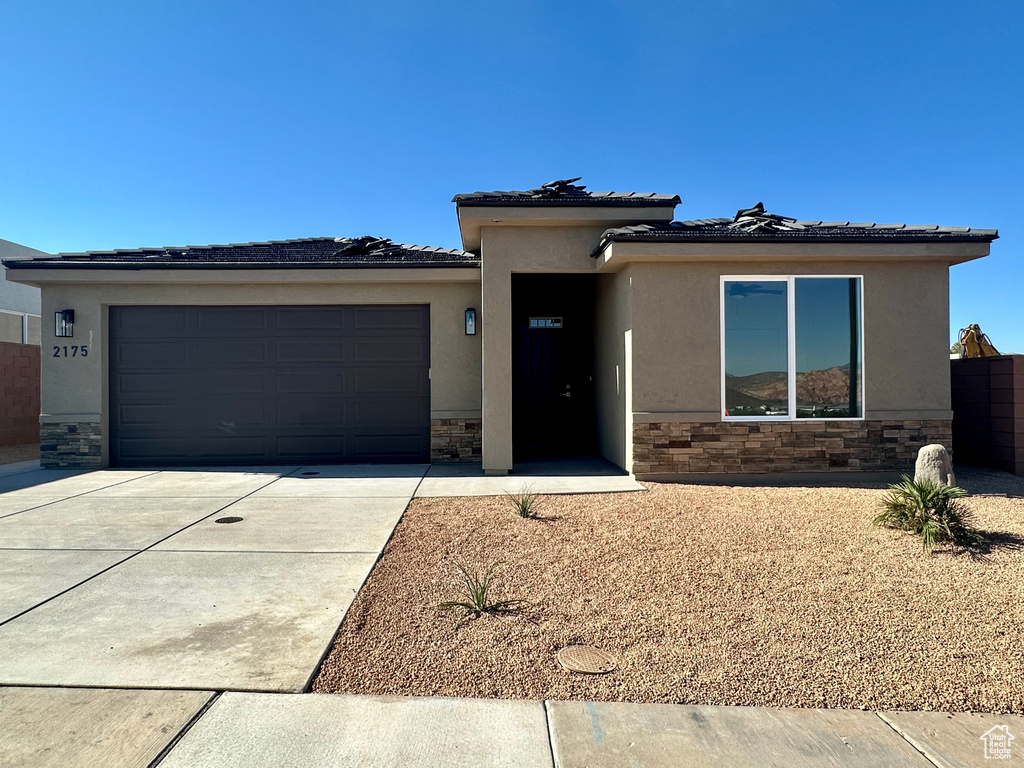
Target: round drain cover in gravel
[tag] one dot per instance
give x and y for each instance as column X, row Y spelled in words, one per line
column 228, row 520
column 586, row 660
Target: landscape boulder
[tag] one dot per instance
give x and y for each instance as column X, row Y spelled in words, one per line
column 934, row 464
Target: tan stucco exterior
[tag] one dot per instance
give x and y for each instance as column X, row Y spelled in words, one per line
column 657, row 336
column 75, row 388
column 677, row 347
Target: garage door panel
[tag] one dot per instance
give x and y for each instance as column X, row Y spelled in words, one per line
column 312, row 382
column 311, row 319
column 150, row 414
column 403, row 351
column 151, row 353
column 379, row 382
column 387, row 412
column 210, row 382
column 232, row 353
column 148, row 384
column 378, row 318
column 230, row 415
column 231, row 448
column 311, row 413
column 231, row 385
column 216, row 320
column 319, row 351
column 148, row 322
column 151, row 450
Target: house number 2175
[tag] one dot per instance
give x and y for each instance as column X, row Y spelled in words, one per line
column 75, row 351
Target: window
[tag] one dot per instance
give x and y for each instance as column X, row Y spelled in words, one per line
column 792, row 348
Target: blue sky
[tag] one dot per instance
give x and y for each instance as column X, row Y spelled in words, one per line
column 156, row 123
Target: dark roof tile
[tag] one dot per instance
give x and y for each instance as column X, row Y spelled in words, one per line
column 564, row 192
column 313, row 252
column 755, row 224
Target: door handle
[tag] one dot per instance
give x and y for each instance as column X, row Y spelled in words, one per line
column 567, row 394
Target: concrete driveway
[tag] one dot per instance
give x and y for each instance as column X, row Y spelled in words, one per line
column 125, row 578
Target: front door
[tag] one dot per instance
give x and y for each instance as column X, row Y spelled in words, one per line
column 553, row 410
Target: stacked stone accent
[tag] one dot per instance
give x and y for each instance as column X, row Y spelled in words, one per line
column 455, row 440
column 782, row 446
column 70, row 444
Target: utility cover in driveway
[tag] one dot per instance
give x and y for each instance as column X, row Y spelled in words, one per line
column 250, row 385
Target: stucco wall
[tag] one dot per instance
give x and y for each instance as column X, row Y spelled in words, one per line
column 75, row 388
column 612, row 369
column 508, row 249
column 677, row 339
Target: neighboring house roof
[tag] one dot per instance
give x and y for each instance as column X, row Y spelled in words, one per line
column 565, row 192
column 756, row 225
column 312, row 252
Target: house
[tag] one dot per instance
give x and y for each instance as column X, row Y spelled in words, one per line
column 19, row 354
column 570, row 323
column 19, row 304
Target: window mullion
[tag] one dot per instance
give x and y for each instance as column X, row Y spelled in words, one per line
column 791, row 323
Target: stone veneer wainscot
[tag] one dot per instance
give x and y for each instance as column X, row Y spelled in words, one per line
column 73, row 444
column 675, row 448
column 455, row 440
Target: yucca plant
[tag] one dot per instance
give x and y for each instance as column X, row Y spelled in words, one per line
column 476, row 592
column 525, row 502
column 930, row 510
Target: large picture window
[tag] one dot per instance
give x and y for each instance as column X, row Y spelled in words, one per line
column 792, row 348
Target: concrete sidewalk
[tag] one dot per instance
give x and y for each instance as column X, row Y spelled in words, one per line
column 583, row 475
column 196, row 729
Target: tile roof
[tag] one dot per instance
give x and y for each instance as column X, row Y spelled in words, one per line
column 756, row 225
column 565, row 192
column 312, row 252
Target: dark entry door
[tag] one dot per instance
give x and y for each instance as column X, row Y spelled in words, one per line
column 263, row 385
column 553, row 408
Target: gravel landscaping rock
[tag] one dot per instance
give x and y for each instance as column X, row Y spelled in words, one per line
column 704, row 595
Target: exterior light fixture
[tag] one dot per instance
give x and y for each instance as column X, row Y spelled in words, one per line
column 471, row 322
column 64, row 323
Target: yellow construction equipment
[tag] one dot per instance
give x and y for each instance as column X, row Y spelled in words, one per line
column 974, row 343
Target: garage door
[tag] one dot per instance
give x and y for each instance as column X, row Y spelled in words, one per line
column 263, row 385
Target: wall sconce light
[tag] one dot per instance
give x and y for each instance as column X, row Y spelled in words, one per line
column 64, row 323
column 471, row 322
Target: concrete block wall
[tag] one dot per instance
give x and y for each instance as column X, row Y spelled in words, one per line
column 19, row 393
column 988, row 412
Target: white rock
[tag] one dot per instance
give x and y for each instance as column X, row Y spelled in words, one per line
column 933, row 463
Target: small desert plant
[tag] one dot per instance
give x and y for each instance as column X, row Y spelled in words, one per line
column 525, row 502
column 476, row 593
column 930, row 510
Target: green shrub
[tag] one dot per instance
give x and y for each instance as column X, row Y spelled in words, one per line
column 525, row 502
column 930, row 510
column 476, row 593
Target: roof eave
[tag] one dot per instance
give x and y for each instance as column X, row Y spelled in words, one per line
column 140, row 265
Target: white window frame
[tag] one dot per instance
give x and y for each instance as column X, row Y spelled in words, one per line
column 790, row 281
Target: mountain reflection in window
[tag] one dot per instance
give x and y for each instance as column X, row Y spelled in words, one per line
column 828, row 364
column 756, row 348
column 828, row 380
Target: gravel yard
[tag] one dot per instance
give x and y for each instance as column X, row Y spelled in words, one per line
column 706, row 595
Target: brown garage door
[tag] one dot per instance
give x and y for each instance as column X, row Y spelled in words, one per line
column 261, row 385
